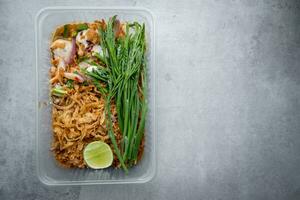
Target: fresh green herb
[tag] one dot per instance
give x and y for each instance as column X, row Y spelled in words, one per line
column 69, row 83
column 81, row 27
column 73, row 34
column 66, row 31
column 100, row 88
column 98, row 73
column 91, row 62
column 100, row 57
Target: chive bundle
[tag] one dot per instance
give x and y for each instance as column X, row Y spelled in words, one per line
column 125, row 84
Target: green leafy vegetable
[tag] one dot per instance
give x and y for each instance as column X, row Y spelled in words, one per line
column 81, row 27
column 100, row 57
column 66, row 31
column 69, row 83
column 125, row 81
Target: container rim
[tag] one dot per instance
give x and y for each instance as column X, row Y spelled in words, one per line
column 150, row 175
column 136, row 8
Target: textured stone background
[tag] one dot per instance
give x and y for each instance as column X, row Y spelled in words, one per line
column 228, row 102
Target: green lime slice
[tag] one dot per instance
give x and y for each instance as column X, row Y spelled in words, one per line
column 98, row 155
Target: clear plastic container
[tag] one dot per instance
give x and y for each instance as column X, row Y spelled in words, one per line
column 49, row 172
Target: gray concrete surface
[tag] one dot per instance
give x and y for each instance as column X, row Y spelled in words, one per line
column 228, row 102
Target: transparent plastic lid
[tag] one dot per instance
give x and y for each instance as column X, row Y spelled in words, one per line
column 49, row 172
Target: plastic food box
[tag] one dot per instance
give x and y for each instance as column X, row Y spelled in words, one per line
column 49, row 172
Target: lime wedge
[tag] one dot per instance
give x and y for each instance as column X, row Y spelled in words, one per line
column 98, row 155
